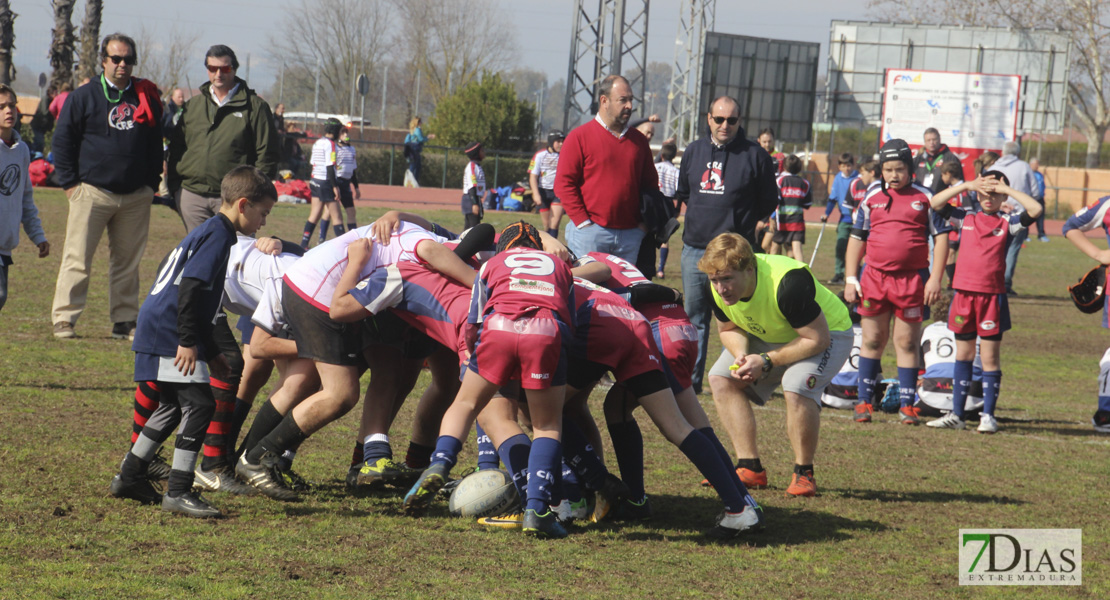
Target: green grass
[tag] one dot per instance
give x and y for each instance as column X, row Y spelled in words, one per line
column 892, row 498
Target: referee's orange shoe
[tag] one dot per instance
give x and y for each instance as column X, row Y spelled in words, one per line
column 802, row 485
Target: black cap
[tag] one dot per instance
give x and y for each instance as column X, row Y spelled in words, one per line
column 1090, row 292
column 471, row 150
column 555, row 136
column 333, row 126
column 896, row 149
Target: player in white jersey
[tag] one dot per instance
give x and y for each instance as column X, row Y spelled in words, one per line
column 324, row 184
column 345, row 179
column 308, row 288
column 541, row 178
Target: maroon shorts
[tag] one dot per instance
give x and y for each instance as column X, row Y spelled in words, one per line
column 678, row 341
column 529, row 349
column 902, row 292
column 619, row 338
column 979, row 313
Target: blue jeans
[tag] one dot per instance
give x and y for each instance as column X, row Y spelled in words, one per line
column 624, row 243
column 1012, row 256
column 3, row 284
column 699, row 306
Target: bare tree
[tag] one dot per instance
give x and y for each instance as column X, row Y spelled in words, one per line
column 62, row 44
column 335, row 39
column 7, row 42
column 163, row 59
column 87, row 58
column 1087, row 21
column 451, row 43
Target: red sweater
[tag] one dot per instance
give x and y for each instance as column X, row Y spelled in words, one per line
column 600, row 176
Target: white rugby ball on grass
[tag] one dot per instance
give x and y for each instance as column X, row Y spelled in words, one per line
column 484, row 494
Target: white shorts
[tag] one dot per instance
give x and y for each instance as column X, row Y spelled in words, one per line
column 807, row 377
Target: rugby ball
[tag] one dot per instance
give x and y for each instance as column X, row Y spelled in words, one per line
column 484, row 494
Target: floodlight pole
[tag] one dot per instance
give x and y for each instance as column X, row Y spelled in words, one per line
column 385, row 86
column 695, row 19
column 600, row 41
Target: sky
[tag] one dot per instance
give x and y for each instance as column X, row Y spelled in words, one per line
column 543, row 27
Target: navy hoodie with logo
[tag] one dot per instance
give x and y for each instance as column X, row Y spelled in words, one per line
column 99, row 143
column 725, row 188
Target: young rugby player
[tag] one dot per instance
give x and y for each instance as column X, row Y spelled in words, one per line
column 1086, row 219
column 894, row 221
column 979, row 308
column 522, row 301
column 175, row 346
column 794, row 198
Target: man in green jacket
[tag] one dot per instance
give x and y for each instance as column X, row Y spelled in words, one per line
column 223, row 126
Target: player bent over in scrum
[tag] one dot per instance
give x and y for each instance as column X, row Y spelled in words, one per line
column 521, row 303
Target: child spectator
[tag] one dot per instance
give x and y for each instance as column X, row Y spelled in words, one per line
column 17, row 201
column 894, row 221
column 668, row 184
column 176, row 348
column 766, row 140
column 840, row 196
column 541, row 178
column 979, row 307
column 794, row 198
column 324, row 183
column 1096, row 215
column 474, row 186
column 345, row 177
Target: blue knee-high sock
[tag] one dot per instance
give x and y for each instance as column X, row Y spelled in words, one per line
column 487, row 454
column 1104, row 403
column 514, row 453
column 907, row 385
column 701, row 452
column 447, row 450
column 544, row 464
column 324, row 229
column 581, row 457
column 663, row 252
column 553, row 233
column 309, row 227
column 628, row 445
column 961, row 380
column 992, row 381
column 868, row 374
column 339, row 229
column 727, row 460
column 570, row 489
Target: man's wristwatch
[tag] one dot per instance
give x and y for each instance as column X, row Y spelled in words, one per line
column 767, row 364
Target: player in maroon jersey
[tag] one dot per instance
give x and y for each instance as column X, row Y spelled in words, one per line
column 979, row 310
column 895, row 221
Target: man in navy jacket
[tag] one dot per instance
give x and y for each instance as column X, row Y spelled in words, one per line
column 108, row 157
column 728, row 185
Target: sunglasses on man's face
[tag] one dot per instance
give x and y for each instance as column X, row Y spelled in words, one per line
column 731, row 120
column 127, row 60
column 225, row 69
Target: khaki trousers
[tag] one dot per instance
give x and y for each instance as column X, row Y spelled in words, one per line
column 196, row 209
column 127, row 219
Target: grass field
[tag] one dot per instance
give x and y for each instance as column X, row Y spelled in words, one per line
column 885, row 525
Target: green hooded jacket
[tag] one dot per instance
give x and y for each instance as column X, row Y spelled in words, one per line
column 209, row 141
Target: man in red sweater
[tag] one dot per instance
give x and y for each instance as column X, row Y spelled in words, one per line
column 602, row 168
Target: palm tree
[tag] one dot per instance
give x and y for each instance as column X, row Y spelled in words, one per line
column 62, row 45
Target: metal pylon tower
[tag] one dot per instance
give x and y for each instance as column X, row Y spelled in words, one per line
column 610, row 41
column 695, row 18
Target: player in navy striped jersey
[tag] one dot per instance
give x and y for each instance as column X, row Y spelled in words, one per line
column 1094, row 216
column 794, row 198
column 175, row 346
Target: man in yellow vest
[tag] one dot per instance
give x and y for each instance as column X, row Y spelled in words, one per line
column 777, row 326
